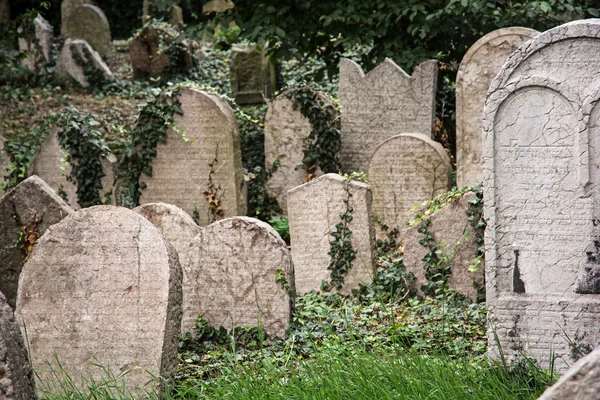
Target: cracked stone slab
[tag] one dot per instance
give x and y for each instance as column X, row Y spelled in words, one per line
column 382, row 103
column 230, row 277
column 314, row 211
column 181, row 170
column 103, row 286
column 68, row 68
column 88, row 22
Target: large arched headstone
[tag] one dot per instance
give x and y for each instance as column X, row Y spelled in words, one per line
column 88, row 22
column 66, row 8
column 103, row 286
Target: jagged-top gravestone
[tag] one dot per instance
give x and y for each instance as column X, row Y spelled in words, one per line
column 39, row 50
column 404, row 171
column 66, row 8
column 231, row 277
column 16, row 376
column 477, row 69
column 76, row 62
column 26, row 212
column 102, row 286
column 541, row 135
column 207, row 166
column 89, row 23
column 383, row 103
column 253, row 76
column 314, row 211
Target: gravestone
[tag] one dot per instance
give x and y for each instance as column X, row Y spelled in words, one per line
column 16, row 376
column 454, row 235
column 541, row 196
column 76, row 54
column 383, row 103
column 66, row 8
column 231, row 273
column 206, row 166
column 406, row 170
column 314, row 211
column 26, row 212
column 39, row 51
column 102, row 286
column 4, row 12
column 176, row 17
column 477, row 69
column 50, row 165
column 252, row 74
column 89, row 23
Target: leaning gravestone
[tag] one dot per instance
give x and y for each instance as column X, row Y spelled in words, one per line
column 16, row 376
column 89, row 23
column 314, row 211
column 384, row 102
column 541, row 135
column 253, row 77
column 26, row 212
column 405, row 171
column 231, row 277
column 38, row 50
column 206, row 166
column 477, row 69
column 66, row 8
column 103, row 286
column 77, row 59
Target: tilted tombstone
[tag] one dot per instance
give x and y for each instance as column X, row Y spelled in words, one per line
column 66, row 8
column 477, row 69
column 384, row 102
column 39, row 50
column 541, row 196
column 103, row 286
column 26, row 212
column 405, row 171
column 233, row 276
column 314, row 211
column 17, row 382
column 206, row 166
column 77, row 59
column 89, row 23
column 252, row 74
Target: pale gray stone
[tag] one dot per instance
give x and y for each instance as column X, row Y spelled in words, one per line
column 68, row 67
column 66, row 8
column 314, row 210
column 477, row 69
column 540, row 156
column 230, row 277
column 181, row 171
column 383, row 103
column 89, row 23
column 39, row 51
column 252, row 74
column 29, row 201
column 16, row 376
column 405, row 171
column 102, row 286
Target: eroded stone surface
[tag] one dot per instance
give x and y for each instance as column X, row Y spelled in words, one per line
column 68, row 65
column 16, row 376
column 404, row 171
column 383, row 103
column 30, row 200
column 66, row 8
column 38, row 51
column 314, row 210
column 181, row 171
column 540, row 156
column 477, row 69
column 103, row 286
column 230, row 277
column 89, row 23
column 252, row 76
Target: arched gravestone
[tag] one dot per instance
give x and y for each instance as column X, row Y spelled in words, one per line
column 314, row 211
column 102, row 286
column 183, row 170
column 382, row 103
column 477, row 69
column 404, row 171
column 66, row 8
column 88, row 22
column 231, row 273
column 541, row 196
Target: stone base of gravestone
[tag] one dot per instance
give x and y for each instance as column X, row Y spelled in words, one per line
column 252, row 74
column 71, row 64
column 89, row 23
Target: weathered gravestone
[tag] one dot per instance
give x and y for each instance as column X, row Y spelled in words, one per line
column 404, row 171
column 455, row 237
column 76, row 62
column 66, row 8
column 314, row 211
column 102, row 286
column 206, row 167
column 541, row 196
column 26, row 212
column 252, row 74
column 4, row 12
column 39, row 50
column 50, row 165
column 16, row 376
column 89, row 23
column 176, row 17
column 384, row 102
column 231, row 277
column 477, row 69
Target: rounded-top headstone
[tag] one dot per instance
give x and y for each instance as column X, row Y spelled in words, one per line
column 103, row 286
column 66, row 8
column 88, row 22
column 231, row 277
